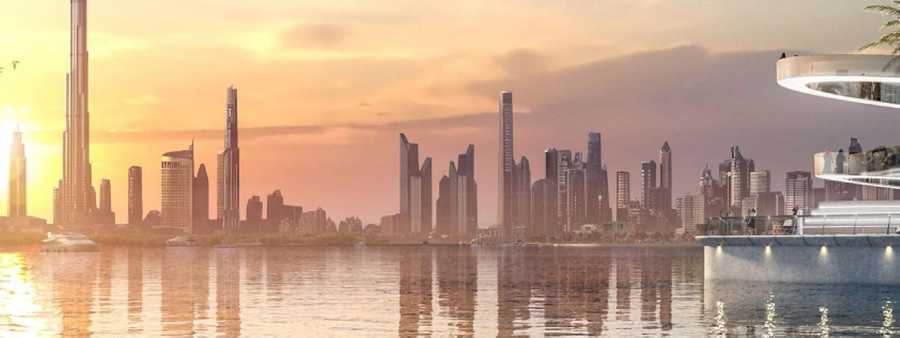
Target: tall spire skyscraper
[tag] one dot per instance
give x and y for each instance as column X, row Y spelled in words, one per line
column 231, row 161
column 665, row 176
column 17, row 177
column 76, row 190
column 505, row 168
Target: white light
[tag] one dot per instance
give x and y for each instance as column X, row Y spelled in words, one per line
column 888, row 251
column 768, row 250
column 823, row 251
column 719, row 249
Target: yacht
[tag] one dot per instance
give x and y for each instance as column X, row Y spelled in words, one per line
column 68, row 242
column 181, row 241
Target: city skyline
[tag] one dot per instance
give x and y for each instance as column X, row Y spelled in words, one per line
column 327, row 144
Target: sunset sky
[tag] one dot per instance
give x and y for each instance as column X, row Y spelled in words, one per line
column 326, row 86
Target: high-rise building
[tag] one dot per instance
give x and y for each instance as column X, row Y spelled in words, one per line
column 76, row 192
column 254, row 211
column 274, row 211
column 505, row 193
column 105, row 196
column 648, row 184
column 665, row 177
column 551, row 202
column 18, row 178
column 177, row 183
column 594, row 179
column 738, row 173
column 522, row 193
column 575, row 195
column 759, row 182
column 797, row 192
column 415, row 190
column 692, row 212
column 457, row 208
column 564, row 162
column 605, row 198
column 466, row 169
column 231, row 157
column 135, row 195
column 623, row 194
column 542, row 211
column 220, row 186
column 201, row 201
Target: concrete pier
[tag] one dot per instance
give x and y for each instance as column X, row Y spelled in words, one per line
column 802, row 259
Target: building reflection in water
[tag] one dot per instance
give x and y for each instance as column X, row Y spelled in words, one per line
column 135, row 289
column 177, row 304
column 623, row 287
column 457, row 274
column 200, row 287
column 74, row 278
column 415, row 292
column 228, row 292
column 656, row 289
column 104, row 276
column 513, row 292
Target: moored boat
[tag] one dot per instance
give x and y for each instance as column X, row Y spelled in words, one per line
column 68, row 242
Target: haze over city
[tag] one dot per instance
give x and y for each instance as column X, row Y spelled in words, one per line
column 327, row 87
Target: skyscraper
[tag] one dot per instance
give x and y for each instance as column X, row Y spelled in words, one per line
column 797, row 192
column 466, row 169
column 648, row 185
column 105, row 196
column 177, row 183
column 135, row 195
column 551, row 202
column 201, row 200
column 594, row 179
column 254, row 211
column 505, row 176
column 274, row 211
column 231, row 158
column 542, row 210
column 220, row 186
column 738, row 178
column 564, row 162
column 760, row 182
column 18, row 178
column 522, row 193
column 76, row 193
column 623, row 194
column 665, row 177
column 575, row 195
column 415, row 190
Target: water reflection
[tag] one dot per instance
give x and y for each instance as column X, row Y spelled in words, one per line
column 415, row 291
column 457, row 278
column 228, row 292
column 74, row 275
column 135, row 289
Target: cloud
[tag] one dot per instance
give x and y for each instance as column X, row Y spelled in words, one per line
column 315, row 36
column 522, row 61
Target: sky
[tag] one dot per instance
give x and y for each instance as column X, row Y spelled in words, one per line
column 327, row 86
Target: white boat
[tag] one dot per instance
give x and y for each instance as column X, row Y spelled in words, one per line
column 68, row 242
column 181, row 241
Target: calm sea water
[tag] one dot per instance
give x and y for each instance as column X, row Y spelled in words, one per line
column 414, row 291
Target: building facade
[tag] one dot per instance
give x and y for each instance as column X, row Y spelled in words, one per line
column 176, row 189
column 505, row 185
column 18, row 178
column 415, row 190
column 797, row 192
column 135, row 195
column 201, row 201
column 231, row 160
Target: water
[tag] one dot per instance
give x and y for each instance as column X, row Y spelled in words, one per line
column 391, row 291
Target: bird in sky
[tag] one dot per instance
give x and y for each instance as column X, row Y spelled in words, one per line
column 15, row 64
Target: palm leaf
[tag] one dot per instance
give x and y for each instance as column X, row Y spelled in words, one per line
column 884, row 10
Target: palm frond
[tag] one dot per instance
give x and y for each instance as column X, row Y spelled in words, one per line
column 889, row 39
column 884, row 10
column 890, row 24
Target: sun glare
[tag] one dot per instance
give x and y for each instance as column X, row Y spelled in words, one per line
column 18, row 306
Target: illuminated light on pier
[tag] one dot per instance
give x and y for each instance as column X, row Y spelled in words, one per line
column 888, row 251
column 823, row 252
column 768, row 250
